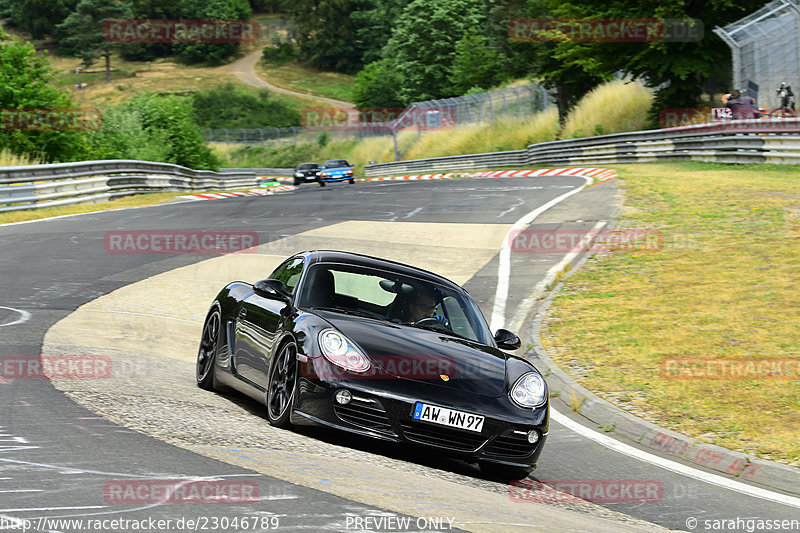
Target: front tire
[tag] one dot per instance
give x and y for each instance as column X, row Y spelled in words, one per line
column 207, row 353
column 351, row 181
column 281, row 385
column 321, row 183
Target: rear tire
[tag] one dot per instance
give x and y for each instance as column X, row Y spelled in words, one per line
column 207, row 353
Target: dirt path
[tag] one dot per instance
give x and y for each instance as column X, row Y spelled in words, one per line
column 244, row 69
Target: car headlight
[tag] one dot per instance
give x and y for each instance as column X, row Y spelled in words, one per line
column 529, row 390
column 342, row 352
column 298, row 174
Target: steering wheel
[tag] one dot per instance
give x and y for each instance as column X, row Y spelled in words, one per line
column 427, row 321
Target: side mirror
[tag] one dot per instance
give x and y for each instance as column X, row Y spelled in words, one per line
column 272, row 289
column 507, row 340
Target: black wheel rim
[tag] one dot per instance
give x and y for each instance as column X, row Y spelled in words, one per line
column 281, row 384
column 208, row 346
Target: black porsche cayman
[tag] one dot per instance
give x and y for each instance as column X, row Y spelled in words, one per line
column 380, row 349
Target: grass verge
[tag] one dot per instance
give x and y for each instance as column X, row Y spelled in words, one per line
column 306, row 79
column 724, row 286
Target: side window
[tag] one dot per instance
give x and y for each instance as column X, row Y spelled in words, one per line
column 289, row 272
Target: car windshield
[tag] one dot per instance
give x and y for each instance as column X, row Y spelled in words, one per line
column 307, row 166
column 335, row 163
column 394, row 297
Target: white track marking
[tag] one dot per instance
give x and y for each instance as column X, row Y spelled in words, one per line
column 641, row 455
column 24, row 316
column 498, row 319
column 527, row 304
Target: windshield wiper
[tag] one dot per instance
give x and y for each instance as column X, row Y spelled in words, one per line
column 346, row 311
column 441, row 328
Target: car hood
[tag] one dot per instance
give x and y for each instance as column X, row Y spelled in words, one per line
column 432, row 357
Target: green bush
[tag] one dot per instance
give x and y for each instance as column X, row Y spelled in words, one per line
column 152, row 128
column 228, row 106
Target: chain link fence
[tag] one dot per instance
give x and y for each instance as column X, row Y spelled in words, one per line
column 515, row 103
column 766, row 50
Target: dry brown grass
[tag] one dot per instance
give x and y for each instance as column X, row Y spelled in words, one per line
column 725, row 285
column 613, row 107
column 9, row 159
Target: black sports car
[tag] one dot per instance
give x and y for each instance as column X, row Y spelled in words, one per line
column 380, row 349
column 306, row 172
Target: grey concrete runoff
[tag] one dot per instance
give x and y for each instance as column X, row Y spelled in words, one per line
column 605, row 414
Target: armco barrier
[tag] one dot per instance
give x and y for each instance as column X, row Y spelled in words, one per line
column 35, row 186
column 741, row 141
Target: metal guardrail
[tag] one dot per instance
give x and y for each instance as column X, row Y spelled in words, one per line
column 745, row 141
column 262, row 171
column 35, row 186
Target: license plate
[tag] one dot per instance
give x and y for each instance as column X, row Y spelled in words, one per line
column 447, row 417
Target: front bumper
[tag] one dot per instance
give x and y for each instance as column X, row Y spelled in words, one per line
column 382, row 409
column 335, row 177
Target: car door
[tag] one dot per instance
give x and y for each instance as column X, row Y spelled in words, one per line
column 258, row 324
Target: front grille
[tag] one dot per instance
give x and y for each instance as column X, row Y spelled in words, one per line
column 443, row 436
column 366, row 413
column 511, row 444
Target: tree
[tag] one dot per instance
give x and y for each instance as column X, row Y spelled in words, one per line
column 326, row 33
column 211, row 53
column 150, row 10
column 475, row 63
column 377, row 86
column 26, row 86
column 678, row 70
column 81, row 33
column 423, row 43
column 373, row 21
column 37, row 17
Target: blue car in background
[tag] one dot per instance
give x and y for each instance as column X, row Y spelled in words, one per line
column 335, row 170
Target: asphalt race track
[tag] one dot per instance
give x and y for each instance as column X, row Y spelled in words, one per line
column 66, row 446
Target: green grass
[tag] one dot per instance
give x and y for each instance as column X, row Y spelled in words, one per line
column 725, row 285
column 306, row 79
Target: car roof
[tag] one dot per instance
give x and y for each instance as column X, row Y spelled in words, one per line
column 350, row 258
column 309, row 163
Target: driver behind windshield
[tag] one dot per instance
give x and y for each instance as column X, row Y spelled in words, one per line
column 419, row 305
